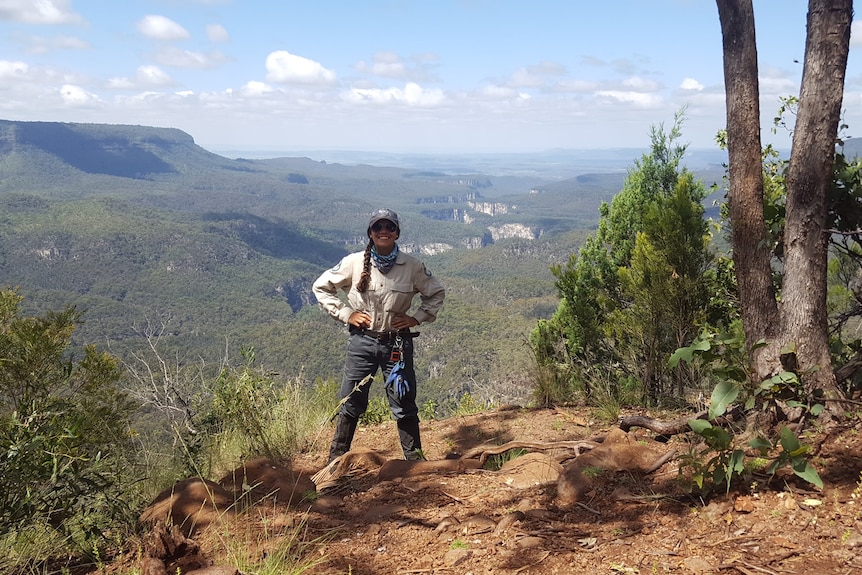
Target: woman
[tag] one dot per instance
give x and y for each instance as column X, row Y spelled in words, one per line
column 380, row 284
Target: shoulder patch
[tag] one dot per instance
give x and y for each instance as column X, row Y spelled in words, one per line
column 427, row 271
column 336, row 267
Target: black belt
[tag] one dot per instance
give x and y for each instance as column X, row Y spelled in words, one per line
column 383, row 335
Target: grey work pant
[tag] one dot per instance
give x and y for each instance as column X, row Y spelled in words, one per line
column 366, row 355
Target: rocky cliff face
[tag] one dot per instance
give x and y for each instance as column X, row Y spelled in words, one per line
column 297, row 292
column 513, row 231
column 446, row 214
column 490, row 208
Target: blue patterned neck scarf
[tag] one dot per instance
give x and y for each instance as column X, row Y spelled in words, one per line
column 384, row 263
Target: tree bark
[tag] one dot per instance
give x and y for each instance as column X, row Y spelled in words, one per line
column 803, row 307
column 799, row 323
column 751, row 255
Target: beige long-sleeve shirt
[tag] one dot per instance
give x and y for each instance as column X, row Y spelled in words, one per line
column 387, row 294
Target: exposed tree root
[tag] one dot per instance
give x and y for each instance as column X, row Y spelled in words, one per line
column 484, row 451
column 672, row 427
column 677, row 426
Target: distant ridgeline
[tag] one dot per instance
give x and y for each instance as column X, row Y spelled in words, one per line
column 175, row 173
column 113, row 150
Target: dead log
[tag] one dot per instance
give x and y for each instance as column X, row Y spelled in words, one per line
column 676, row 426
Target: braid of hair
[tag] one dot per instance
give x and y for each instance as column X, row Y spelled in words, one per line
column 362, row 286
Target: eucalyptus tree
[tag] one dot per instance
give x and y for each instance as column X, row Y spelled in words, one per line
column 794, row 325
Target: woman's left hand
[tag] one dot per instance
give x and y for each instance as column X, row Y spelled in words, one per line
column 403, row 321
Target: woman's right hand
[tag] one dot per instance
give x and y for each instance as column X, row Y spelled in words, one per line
column 359, row 319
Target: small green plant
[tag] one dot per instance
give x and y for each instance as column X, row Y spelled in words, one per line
column 469, row 405
column 428, row 410
column 496, row 462
column 608, row 408
column 458, row 544
column 592, row 472
column 857, row 491
column 284, row 553
column 725, row 354
column 254, row 414
column 378, row 412
column 726, row 462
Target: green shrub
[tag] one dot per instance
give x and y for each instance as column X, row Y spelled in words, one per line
column 378, row 412
column 255, row 415
column 469, row 405
column 496, row 462
column 64, row 436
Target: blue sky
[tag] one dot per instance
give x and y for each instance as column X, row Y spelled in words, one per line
column 395, row 75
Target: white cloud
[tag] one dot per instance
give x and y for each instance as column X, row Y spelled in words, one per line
column 43, row 44
column 39, row 11
column 775, row 82
column 856, row 33
column 152, row 76
column 390, row 65
column 144, row 76
column 639, row 84
column 177, row 58
column 524, row 78
column 10, row 70
column 639, row 99
column 495, row 92
column 76, row 96
column 254, row 89
column 535, row 76
column 577, row 86
column 691, row 84
column 161, row 28
column 385, row 65
column 120, row 83
column 412, row 95
column 217, row 33
column 287, row 68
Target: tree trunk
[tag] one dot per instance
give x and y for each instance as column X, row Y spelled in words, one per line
column 801, row 319
column 803, row 307
column 751, row 255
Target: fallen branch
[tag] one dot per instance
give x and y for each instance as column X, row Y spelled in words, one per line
column 738, row 565
column 525, row 567
column 661, row 427
column 676, row 426
column 484, row 451
column 660, row 461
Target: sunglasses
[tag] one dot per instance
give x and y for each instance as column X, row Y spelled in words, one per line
column 384, row 225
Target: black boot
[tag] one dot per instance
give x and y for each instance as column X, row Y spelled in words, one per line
column 343, row 437
column 408, row 433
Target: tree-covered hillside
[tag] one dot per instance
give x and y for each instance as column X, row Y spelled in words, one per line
column 147, row 233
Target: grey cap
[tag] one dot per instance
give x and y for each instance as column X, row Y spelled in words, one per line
column 383, row 214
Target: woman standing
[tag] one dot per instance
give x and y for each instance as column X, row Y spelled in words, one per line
column 380, row 284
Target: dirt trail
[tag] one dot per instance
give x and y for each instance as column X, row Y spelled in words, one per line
column 543, row 512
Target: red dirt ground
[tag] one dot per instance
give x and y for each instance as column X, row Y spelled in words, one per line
column 456, row 519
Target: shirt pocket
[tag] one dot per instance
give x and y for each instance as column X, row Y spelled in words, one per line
column 399, row 297
column 367, row 301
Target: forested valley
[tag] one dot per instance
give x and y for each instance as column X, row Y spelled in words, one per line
column 152, row 237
